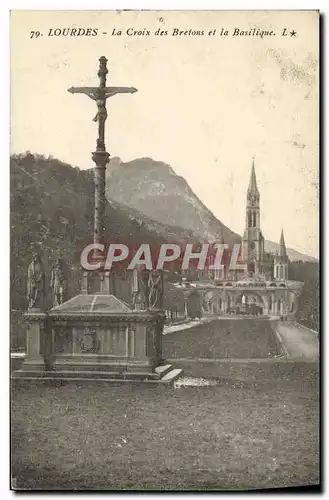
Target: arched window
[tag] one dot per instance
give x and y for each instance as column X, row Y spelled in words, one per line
column 249, row 219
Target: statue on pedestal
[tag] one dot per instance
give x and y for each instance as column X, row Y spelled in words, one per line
column 36, row 283
column 58, row 284
column 155, row 290
column 147, row 289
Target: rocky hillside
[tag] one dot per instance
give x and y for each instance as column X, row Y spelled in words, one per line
column 152, row 188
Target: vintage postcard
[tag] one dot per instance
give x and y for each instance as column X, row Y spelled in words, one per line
column 164, row 184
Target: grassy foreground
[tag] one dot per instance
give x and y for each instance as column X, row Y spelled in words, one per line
column 260, row 431
column 224, row 338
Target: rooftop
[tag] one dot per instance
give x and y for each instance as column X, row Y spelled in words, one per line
column 94, row 303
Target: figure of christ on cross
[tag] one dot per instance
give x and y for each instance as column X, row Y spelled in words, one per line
column 99, row 95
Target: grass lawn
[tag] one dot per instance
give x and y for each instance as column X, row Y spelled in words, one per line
column 223, row 338
column 257, row 431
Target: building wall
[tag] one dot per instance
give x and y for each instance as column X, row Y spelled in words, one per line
column 272, row 301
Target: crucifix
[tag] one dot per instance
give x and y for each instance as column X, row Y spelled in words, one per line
column 101, row 157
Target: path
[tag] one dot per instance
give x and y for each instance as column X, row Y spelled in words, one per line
column 185, row 326
column 299, row 342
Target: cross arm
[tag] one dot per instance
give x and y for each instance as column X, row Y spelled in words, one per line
column 101, row 93
column 82, row 90
column 92, row 92
column 109, row 91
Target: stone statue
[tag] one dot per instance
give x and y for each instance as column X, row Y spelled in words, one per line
column 142, row 294
column 58, row 284
column 147, row 289
column 36, row 283
column 155, row 290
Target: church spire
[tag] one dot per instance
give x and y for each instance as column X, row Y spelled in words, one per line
column 282, row 251
column 252, row 188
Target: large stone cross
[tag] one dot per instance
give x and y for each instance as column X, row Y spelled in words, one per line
column 100, row 94
column 100, row 156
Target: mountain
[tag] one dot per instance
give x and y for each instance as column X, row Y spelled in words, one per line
column 272, row 247
column 152, row 188
column 165, row 231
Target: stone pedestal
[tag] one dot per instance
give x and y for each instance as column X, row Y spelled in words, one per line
column 37, row 341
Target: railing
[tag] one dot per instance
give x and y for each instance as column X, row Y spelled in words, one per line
column 229, row 284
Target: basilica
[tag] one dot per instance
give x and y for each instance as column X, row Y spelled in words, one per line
column 261, row 285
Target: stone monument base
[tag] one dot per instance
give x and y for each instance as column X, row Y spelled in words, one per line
column 96, row 337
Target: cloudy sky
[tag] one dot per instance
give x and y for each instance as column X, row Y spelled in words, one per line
column 205, row 104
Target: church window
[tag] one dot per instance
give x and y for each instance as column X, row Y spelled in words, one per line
column 254, row 219
column 249, row 219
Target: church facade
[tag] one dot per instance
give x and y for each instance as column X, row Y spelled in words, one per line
column 261, row 286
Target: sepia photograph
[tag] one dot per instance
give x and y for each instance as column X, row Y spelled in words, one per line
column 164, row 250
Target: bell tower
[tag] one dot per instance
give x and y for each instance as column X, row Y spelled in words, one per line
column 253, row 240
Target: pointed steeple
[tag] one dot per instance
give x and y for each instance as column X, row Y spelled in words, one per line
column 282, row 251
column 252, row 188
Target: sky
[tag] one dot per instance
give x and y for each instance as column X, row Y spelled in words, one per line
column 205, row 104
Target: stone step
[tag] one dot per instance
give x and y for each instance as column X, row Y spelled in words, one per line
column 101, row 374
column 82, row 379
column 166, row 372
column 163, row 370
column 92, row 375
column 172, row 375
column 113, row 367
